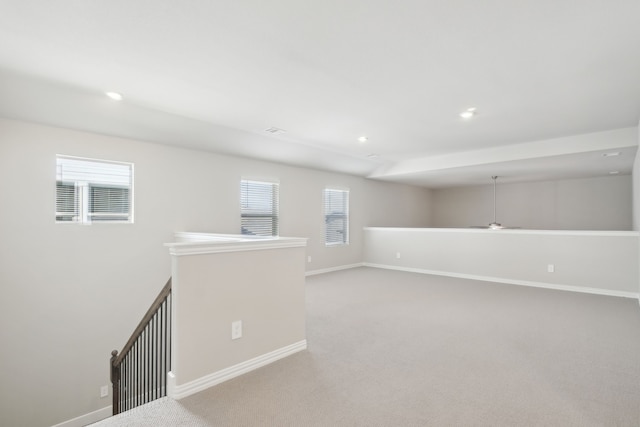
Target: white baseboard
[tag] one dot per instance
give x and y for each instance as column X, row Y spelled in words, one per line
column 181, row 391
column 597, row 291
column 90, row 418
column 330, row 269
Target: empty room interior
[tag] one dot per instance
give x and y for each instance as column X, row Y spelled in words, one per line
column 320, row 213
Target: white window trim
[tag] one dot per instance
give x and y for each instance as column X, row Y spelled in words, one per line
column 261, row 180
column 83, row 194
column 347, row 239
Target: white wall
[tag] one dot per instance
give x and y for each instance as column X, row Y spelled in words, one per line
column 636, row 195
column 604, row 262
column 636, row 189
column 71, row 293
column 391, row 205
column 264, row 288
column 577, row 204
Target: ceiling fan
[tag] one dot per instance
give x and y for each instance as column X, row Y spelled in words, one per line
column 495, row 225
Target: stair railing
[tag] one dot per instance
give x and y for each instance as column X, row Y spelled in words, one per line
column 139, row 372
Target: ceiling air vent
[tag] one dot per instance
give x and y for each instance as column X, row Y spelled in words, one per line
column 275, row 131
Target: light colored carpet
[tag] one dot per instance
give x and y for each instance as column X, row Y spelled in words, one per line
column 389, row 348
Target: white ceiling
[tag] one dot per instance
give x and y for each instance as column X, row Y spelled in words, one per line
column 215, row 74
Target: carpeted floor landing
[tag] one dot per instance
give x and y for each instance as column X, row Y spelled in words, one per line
column 389, row 348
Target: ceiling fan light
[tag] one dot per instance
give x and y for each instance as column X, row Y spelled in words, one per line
column 495, row 225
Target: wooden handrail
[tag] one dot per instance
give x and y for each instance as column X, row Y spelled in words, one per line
column 139, row 372
column 143, row 323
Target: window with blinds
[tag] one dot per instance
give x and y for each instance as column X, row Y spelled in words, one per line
column 336, row 216
column 93, row 190
column 259, row 207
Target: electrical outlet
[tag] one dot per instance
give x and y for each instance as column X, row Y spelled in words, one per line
column 104, row 391
column 397, row 255
column 236, row 329
column 551, row 268
column 309, row 258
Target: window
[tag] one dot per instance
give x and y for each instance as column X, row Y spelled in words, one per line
column 336, row 216
column 259, row 207
column 93, row 190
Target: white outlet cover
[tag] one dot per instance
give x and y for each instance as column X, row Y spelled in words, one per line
column 104, row 391
column 236, row 329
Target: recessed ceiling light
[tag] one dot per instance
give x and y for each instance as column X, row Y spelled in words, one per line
column 114, row 95
column 468, row 113
column 614, row 172
column 612, row 154
column 363, row 139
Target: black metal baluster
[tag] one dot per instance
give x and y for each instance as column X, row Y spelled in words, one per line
column 163, row 361
column 152, row 334
column 124, row 367
column 139, row 373
column 169, row 339
column 145, row 363
column 163, row 379
column 147, row 376
column 137, row 401
column 125, row 384
column 132, row 366
column 155, row 358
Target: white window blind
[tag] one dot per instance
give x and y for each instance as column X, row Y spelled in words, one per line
column 336, row 216
column 66, row 201
column 259, row 207
column 93, row 190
